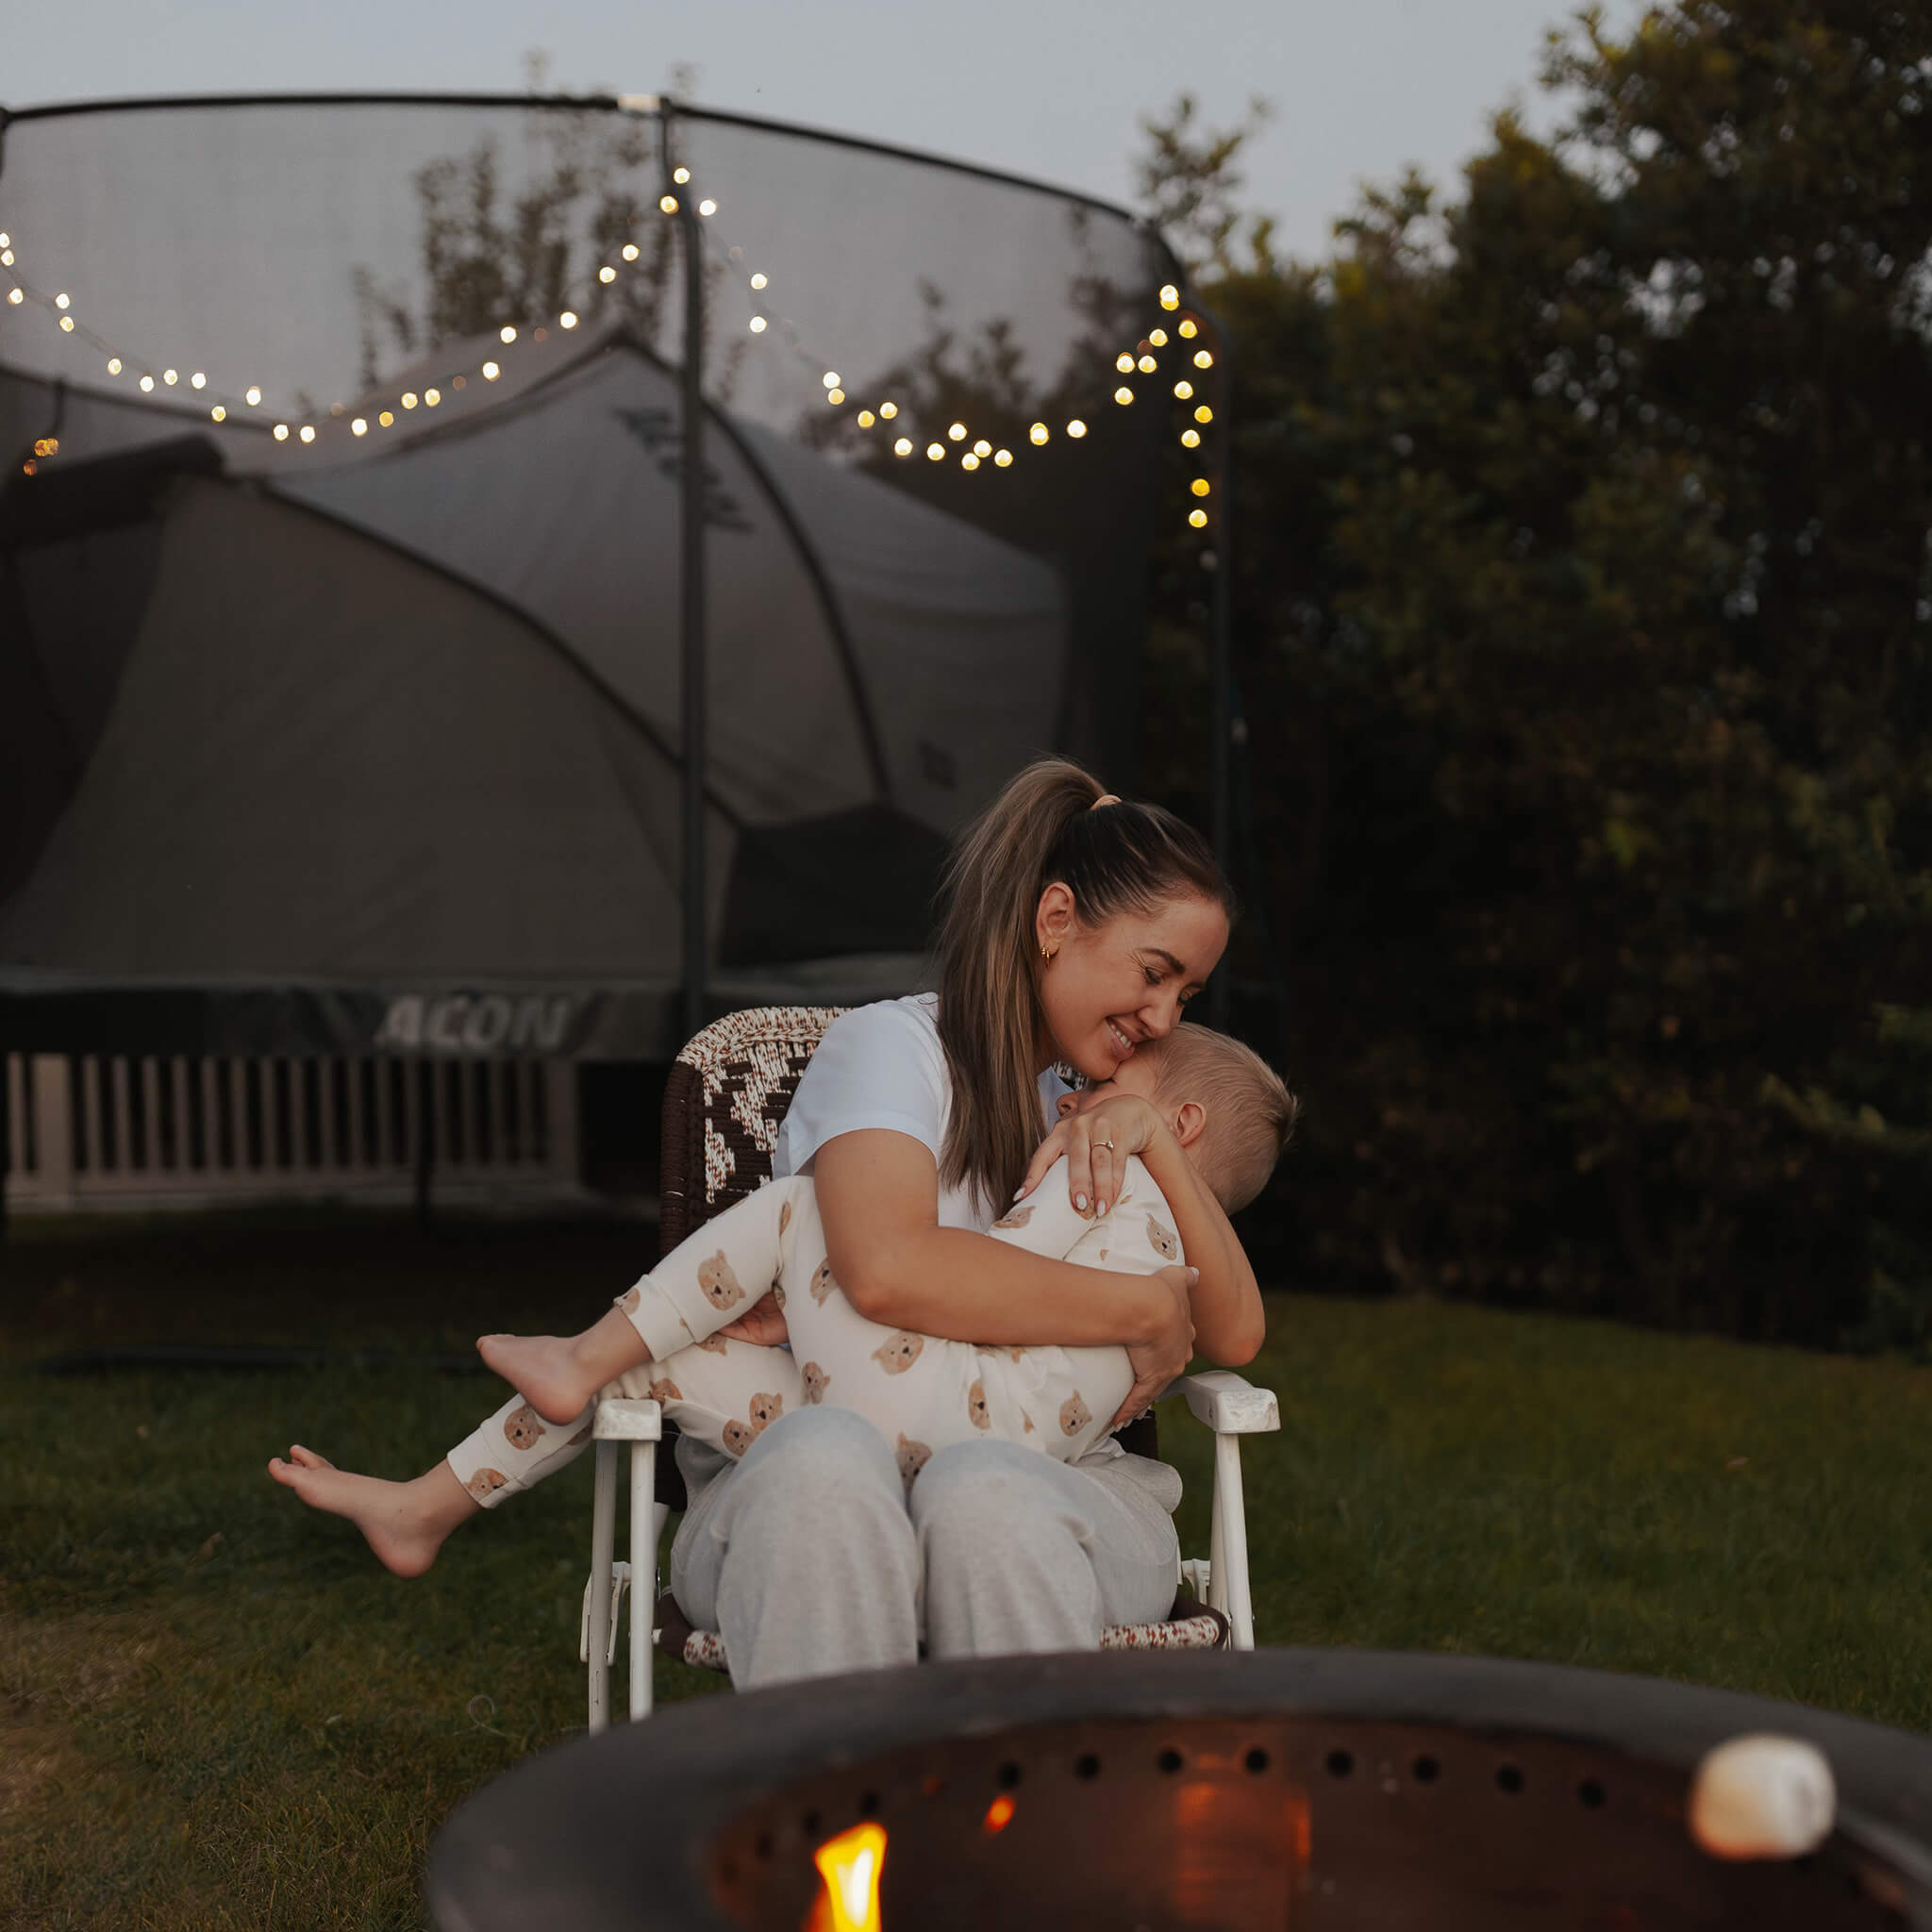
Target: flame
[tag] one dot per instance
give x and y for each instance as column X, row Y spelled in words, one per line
column 850, row 1864
column 998, row 1814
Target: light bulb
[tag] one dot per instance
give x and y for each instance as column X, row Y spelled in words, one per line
column 281, row 432
column 1200, row 486
column 491, row 372
column 6, row 258
column 59, row 301
column 630, row 251
column 1158, row 337
column 5, row 240
column 1002, row 458
column 1203, row 414
column 607, row 275
column 1184, row 389
column 170, row 376
column 1189, row 329
column 409, row 399
column 387, row 419
column 1123, row 395
column 757, row 281
column 15, row 296
column 969, row 461
column 1124, row 362
column 147, row 384
column 982, row 448
column 507, row 334
column 757, row 325
column 956, row 433
column 831, row 378
column 254, row 395
column 432, row 397
column 708, row 208
column 360, row 426
column 219, row 414
column 889, row 411
column 1148, row 365
column 568, row 318
column 1190, row 438
column 1198, row 517
column 1170, row 296
column 902, row 447
column 1077, row 428
column 1203, row 359
column 935, row 452
column 1038, row 432
column 834, row 397
column 197, row 380
column 113, row 365
column 681, row 175
column 668, row 203
column 67, row 322
column 308, row 432
column 866, row 419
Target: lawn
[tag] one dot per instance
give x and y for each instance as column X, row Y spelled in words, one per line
column 219, row 1713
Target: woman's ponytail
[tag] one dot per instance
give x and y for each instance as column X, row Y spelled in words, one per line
column 1041, row 827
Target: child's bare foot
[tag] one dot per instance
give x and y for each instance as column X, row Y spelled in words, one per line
column 405, row 1524
column 544, row 1370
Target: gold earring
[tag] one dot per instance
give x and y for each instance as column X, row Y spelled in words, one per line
column 1045, row 954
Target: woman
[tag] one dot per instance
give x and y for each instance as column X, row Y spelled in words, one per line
column 1077, row 927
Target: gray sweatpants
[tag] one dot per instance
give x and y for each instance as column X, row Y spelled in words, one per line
column 811, row 1556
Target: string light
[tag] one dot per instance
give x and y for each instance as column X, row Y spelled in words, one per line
column 757, row 281
column 757, row 325
column 197, row 380
column 1148, row 365
column 254, row 395
column 491, row 372
column 1124, row 362
column 360, row 426
column 1203, row 359
column 507, row 334
column 902, row 447
column 568, row 318
column 1170, row 296
column 147, row 384
column 607, row 275
column 1188, row 329
column 1038, row 432
column 308, row 432
column 1077, row 428
column 219, row 414
column 1124, row 395
column 957, row 432
column 409, row 399
column 281, row 432
column 630, row 251
column 432, row 397
column 708, row 208
column 113, row 365
column 1184, row 389
column 866, row 419
column 59, row 301
column 67, row 324
column 834, row 397
column 170, row 376
column 16, row 296
column 1200, row 486
column 982, row 448
column 936, row 451
column 6, row 258
column 1198, row 517
column 889, row 411
column 387, row 419
column 668, row 203
column 1203, row 414
column 831, row 378
column 1158, row 337
column 1190, row 438
column 681, row 175
column 969, row 461
column 1002, row 458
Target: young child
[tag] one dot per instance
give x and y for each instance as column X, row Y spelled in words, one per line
column 1227, row 1109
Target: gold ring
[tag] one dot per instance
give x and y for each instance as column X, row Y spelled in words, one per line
column 1107, row 1145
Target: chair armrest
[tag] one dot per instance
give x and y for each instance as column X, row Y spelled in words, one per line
column 629, row 1419
column 1230, row 1405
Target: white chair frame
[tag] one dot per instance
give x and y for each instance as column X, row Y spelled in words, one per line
column 1226, row 1402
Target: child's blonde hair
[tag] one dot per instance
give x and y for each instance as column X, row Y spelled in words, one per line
column 1250, row 1112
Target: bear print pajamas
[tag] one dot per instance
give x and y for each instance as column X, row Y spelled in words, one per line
column 921, row 1392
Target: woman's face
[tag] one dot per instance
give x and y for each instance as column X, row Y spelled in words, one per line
column 1108, row 988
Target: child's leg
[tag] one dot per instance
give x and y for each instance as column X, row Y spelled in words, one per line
column 405, row 1524
column 706, row 1281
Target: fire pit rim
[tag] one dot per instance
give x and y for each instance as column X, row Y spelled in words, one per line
column 671, row 1777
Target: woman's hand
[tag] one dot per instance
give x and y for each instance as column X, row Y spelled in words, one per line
column 1157, row 1363
column 763, row 1323
column 1096, row 1145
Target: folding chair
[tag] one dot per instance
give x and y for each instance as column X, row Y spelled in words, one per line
column 726, row 1095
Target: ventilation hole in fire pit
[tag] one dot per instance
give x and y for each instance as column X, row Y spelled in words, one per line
column 1509, row 1779
column 1592, row 1793
column 931, row 1785
column 1426, row 1771
column 1170, row 1759
column 868, row 1804
column 1010, row 1775
column 1086, row 1765
column 1257, row 1761
column 1340, row 1763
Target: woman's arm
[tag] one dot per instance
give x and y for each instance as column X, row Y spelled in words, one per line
column 877, row 1198
column 1229, row 1323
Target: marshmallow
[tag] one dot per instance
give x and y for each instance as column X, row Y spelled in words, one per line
column 1761, row 1796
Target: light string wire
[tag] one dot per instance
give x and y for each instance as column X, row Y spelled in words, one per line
column 887, row 417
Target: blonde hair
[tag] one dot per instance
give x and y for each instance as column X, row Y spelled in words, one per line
column 1250, row 1112
column 1042, row 827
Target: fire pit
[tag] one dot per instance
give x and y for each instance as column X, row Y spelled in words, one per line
column 1273, row 1789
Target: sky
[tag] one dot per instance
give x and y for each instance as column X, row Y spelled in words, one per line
column 1053, row 89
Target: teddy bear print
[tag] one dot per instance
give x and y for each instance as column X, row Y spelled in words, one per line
column 822, row 1282
column 1028, row 1421
column 1165, row 1245
column 664, row 1390
column 976, row 1408
column 718, row 1283
column 998, row 1348
column 486, row 1482
column 913, row 1457
column 1074, row 1415
column 897, row 1352
column 739, row 1437
column 816, row 1381
column 522, row 1429
column 1018, row 1218
column 713, row 1344
column 766, row 1409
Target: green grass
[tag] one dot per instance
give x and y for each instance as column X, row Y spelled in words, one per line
column 215, row 1710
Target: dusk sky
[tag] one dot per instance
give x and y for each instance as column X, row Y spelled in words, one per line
column 1046, row 87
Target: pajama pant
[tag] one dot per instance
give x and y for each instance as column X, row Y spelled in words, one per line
column 921, row 1393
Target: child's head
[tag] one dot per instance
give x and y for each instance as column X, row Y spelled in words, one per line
column 1229, row 1108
